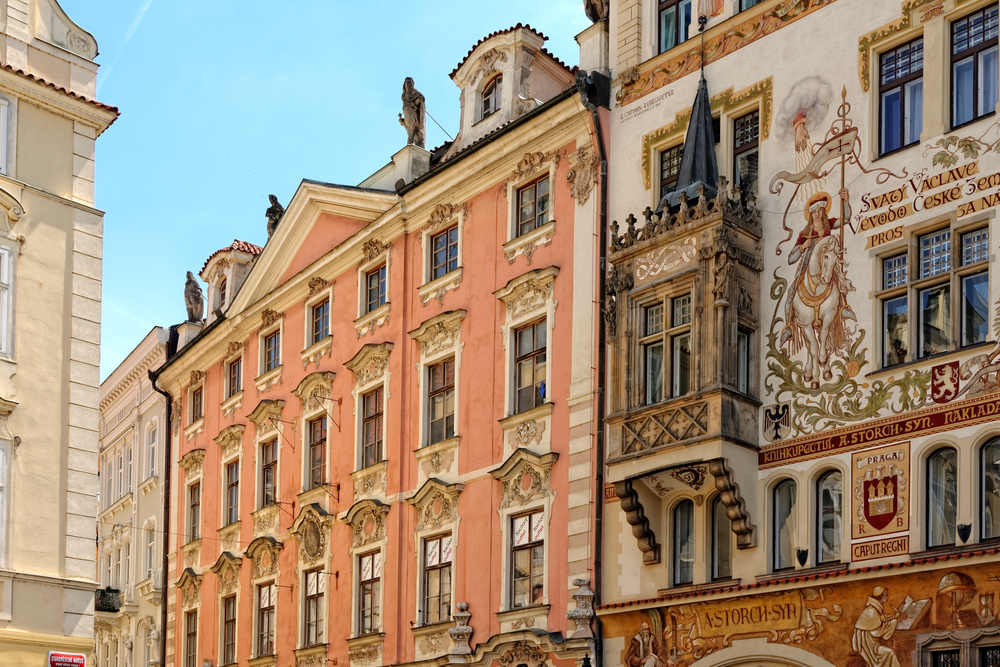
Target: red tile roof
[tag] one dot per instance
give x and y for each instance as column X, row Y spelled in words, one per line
column 494, row 34
column 77, row 96
column 242, row 246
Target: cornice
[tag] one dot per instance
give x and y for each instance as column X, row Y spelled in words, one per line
column 139, row 370
column 49, row 97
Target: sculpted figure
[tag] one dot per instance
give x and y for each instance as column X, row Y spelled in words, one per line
column 596, row 10
column 644, row 650
column 412, row 117
column 193, row 299
column 274, row 213
column 723, row 276
column 873, row 631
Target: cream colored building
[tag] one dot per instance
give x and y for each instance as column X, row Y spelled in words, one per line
column 130, row 521
column 50, row 311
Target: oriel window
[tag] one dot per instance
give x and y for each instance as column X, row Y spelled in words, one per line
column 974, row 73
column 901, row 96
column 533, row 206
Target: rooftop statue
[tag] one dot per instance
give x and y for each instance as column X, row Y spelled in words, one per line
column 274, row 213
column 596, row 10
column 193, row 299
column 412, row 117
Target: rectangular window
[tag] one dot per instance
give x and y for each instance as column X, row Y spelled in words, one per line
column 6, row 274
column 681, row 346
column 128, row 468
column 746, row 152
column 974, row 71
column 315, row 587
column 527, row 558
column 369, row 581
column 232, row 492
column 666, row 349
column 975, row 309
column 194, row 513
column 229, row 630
column 150, row 553
column 197, row 404
column 272, row 351
column 371, row 428
column 674, row 21
column 670, row 167
column 935, row 319
column 533, row 206
column 269, row 473
column 437, row 579
column 901, row 93
column 191, row 639
column 894, row 271
column 946, row 658
column 989, row 656
column 935, row 253
column 320, row 321
column 265, row 619
column 530, row 364
column 444, row 252
column 743, row 362
column 897, row 332
column 317, row 452
column 235, row 376
column 653, row 354
column 747, row 4
column 492, row 96
column 441, row 400
column 374, row 289
column 975, row 246
column 152, row 451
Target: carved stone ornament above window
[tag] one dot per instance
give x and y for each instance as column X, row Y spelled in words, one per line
column 235, row 348
column 367, row 521
column 175, row 415
column 315, row 390
column 525, row 477
column 443, row 214
column 192, row 464
column 487, row 63
column 531, row 164
column 269, row 317
column 317, row 285
column 197, row 377
column 310, row 531
column 528, row 292
column 372, row 248
column 522, row 653
column 437, row 504
column 583, row 174
column 230, row 441
column 266, row 416
column 266, row 521
column 190, row 586
column 371, row 363
column 227, row 569
column 439, row 333
column 263, row 551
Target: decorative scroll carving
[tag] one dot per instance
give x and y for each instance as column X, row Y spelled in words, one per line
column 317, row 285
column 619, row 281
column 314, row 391
column 230, row 441
column 529, row 292
column 263, row 551
column 266, row 416
column 444, row 213
column 192, row 462
column 265, row 521
column 372, row 248
column 525, row 477
column 227, row 569
column 371, row 363
column 670, row 426
column 487, row 63
column 367, row 520
column 462, row 632
column 190, row 586
column 269, row 317
column 310, row 532
column 583, row 174
column 437, row 505
column 736, row 508
column 528, row 432
column 197, row 377
column 175, row 415
column 439, row 333
column 693, row 476
column 523, row 653
column 364, row 655
column 636, row 517
column 236, row 347
column 532, row 163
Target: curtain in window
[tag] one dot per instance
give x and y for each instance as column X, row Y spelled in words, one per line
column 830, row 507
column 784, row 525
column 942, row 491
column 684, row 543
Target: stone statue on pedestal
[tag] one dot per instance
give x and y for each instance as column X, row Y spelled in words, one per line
column 596, row 10
column 412, row 117
column 193, row 299
column 274, row 213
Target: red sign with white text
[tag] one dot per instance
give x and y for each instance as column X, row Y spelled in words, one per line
column 57, row 659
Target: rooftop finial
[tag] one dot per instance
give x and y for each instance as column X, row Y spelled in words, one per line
column 702, row 22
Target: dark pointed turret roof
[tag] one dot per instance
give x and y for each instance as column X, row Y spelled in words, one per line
column 698, row 162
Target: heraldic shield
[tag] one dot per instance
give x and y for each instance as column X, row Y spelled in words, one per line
column 880, row 501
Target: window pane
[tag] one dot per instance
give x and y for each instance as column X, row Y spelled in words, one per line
column 668, row 28
column 896, row 340
column 975, row 309
column 963, row 90
column 684, row 13
column 935, row 253
column 784, row 525
column 991, row 490
column 830, row 507
column 946, row 659
column 975, row 246
column 891, row 139
column 722, row 556
column 913, row 122
column 987, row 81
column 742, row 362
column 682, row 310
column 935, row 318
column 746, row 171
column 654, row 373
column 942, row 497
column 684, row 543
column 682, row 364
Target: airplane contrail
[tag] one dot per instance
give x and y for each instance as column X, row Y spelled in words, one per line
column 140, row 13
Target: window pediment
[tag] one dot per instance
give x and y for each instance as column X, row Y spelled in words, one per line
column 266, row 416
column 439, row 333
column 227, row 568
column 528, row 292
column 263, row 551
column 314, row 390
column 190, row 586
column 192, row 463
column 309, row 530
column 230, row 440
column 525, row 477
column 367, row 521
column 370, row 363
column 436, row 503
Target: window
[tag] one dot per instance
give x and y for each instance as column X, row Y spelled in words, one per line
column 197, row 404
column 527, row 559
column 114, row 654
column 989, row 656
column 317, row 452
column 660, row 340
column 315, row 587
column 530, row 364
column 369, row 578
column 151, row 449
column 320, row 321
column 265, row 618
column 492, row 97
column 235, row 384
column 941, row 270
column 232, row 492
column 783, row 508
column 901, row 95
column 743, row 362
column 675, row 19
column 222, row 293
column 722, row 541
column 118, row 569
column 444, row 252
column 194, row 511
column 128, row 468
column 190, row 639
column 437, row 579
column 990, row 485
column 128, row 565
column 269, row 473
column 374, row 288
column 533, row 206
column 746, row 152
column 441, row 400
column 683, row 552
column 6, row 270
column 121, row 475
column 670, row 167
column 371, row 428
column 229, row 630
column 747, row 4
column 272, row 350
column 974, row 72
column 829, row 494
column 942, row 497
column 946, row 658
column 150, row 552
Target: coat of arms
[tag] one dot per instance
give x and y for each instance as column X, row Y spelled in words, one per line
column 944, row 382
column 777, row 421
column 880, row 493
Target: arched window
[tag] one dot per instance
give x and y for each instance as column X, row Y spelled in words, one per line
column 942, row 497
column 990, row 485
column 491, row 96
column 684, row 543
column 829, row 495
column 783, row 502
column 722, row 541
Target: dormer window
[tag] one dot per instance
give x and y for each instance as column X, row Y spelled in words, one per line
column 491, row 96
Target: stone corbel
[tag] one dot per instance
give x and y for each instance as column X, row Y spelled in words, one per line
column 636, row 517
column 736, row 508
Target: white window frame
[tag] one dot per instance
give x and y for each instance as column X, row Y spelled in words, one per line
column 527, row 243
column 7, row 275
column 5, row 492
column 369, row 320
column 152, row 437
column 312, row 352
column 443, row 218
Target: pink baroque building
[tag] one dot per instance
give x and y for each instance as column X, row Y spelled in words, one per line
column 383, row 434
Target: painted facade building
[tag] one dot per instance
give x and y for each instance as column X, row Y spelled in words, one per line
column 802, row 425
column 50, row 307
column 382, row 437
column 128, row 627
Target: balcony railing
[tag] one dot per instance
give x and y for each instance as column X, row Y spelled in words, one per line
column 106, row 599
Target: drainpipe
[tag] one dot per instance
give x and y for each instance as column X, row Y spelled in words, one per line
column 153, row 377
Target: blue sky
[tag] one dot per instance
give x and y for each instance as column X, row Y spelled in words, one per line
column 225, row 102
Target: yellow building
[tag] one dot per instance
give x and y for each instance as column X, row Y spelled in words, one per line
column 50, row 310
